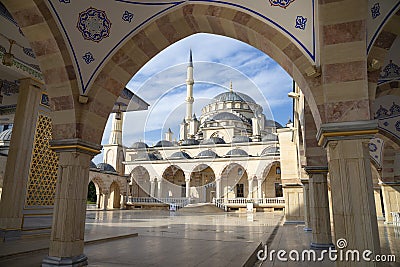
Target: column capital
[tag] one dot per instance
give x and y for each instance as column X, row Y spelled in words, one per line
column 346, row 131
column 305, row 181
column 310, row 170
column 75, row 145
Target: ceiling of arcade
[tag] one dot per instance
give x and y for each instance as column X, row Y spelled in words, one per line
column 104, row 44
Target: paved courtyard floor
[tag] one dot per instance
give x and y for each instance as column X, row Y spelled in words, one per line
column 174, row 239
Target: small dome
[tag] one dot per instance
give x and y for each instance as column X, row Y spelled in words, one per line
column 237, row 152
column 271, row 150
column 6, row 135
column 180, row 155
column 213, row 140
column 270, row 137
column 190, row 142
column 145, row 156
column 207, row 154
column 92, row 165
column 106, row 167
column 241, row 139
column 226, row 116
column 139, row 145
column 271, row 123
column 233, row 96
column 163, row 143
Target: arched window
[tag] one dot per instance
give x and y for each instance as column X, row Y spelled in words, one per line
column 278, row 170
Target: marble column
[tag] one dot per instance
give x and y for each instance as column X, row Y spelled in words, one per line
column 218, row 188
column 306, row 195
column 159, row 188
column 98, row 200
column 354, row 212
column 250, row 182
column 294, row 203
column 391, row 199
column 152, row 188
column 259, row 188
column 105, row 200
column 378, row 203
column 18, row 161
column 319, row 207
column 187, row 187
column 67, row 236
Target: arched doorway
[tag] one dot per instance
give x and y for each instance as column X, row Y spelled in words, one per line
column 140, row 182
column 272, row 183
column 92, row 195
column 202, row 179
column 174, row 185
column 115, row 196
column 234, row 181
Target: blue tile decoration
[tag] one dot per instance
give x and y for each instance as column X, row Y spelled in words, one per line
column 281, row 3
column 88, row 57
column 29, row 52
column 301, row 22
column 127, row 16
column 375, row 11
column 94, row 24
column 372, row 147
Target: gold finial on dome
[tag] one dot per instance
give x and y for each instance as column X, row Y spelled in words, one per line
column 231, row 88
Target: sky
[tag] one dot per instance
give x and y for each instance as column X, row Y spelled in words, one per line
column 217, row 61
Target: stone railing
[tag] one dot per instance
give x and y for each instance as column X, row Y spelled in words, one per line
column 273, row 202
column 396, row 218
column 177, row 201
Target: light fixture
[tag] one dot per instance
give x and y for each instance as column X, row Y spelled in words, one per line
column 8, row 58
column 313, row 71
column 373, row 65
column 293, row 95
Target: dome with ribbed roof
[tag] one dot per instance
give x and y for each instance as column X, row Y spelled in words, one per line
column 213, row 140
column 6, row 135
column 180, row 155
column 222, row 116
column 237, row 152
column 270, row 137
column 233, row 96
column 139, row 145
column 190, row 142
column 92, row 165
column 143, row 156
column 105, row 167
column 207, row 154
column 241, row 139
column 164, row 143
column 270, row 151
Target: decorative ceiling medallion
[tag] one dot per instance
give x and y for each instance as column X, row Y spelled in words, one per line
column 94, row 24
column 281, row 3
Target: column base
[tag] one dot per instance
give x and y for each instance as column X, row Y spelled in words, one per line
column 321, row 246
column 76, row 261
column 9, row 235
column 307, row 229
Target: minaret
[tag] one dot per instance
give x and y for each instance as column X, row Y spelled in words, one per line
column 189, row 89
column 116, row 131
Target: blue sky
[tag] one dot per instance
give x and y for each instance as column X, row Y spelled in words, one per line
column 217, row 60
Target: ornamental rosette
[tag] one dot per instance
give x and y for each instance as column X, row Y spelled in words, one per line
column 94, row 24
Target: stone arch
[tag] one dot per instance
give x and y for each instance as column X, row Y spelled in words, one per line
column 100, row 185
column 51, row 52
column 202, row 176
column 379, row 51
column 271, row 181
column 173, row 171
column 140, row 182
column 234, row 180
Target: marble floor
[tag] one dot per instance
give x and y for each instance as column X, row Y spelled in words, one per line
column 174, row 239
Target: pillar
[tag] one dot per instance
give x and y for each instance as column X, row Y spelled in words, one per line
column 18, row 161
column 218, row 188
column 391, row 199
column 67, row 236
column 152, row 188
column 105, row 200
column 187, row 187
column 259, row 188
column 378, row 203
column 250, row 193
column 319, row 207
column 307, row 217
column 354, row 212
column 159, row 188
column 294, row 203
column 98, row 200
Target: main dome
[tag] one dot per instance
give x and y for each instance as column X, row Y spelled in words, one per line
column 233, row 96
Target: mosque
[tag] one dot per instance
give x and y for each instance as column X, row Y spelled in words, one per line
column 335, row 169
